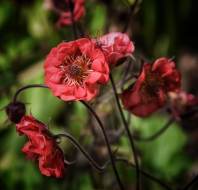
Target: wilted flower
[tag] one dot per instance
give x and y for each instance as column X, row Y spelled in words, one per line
column 41, row 146
column 74, row 70
column 68, row 10
column 149, row 93
column 115, row 46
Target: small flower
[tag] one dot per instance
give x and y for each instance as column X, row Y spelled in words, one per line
column 180, row 102
column 15, row 111
column 115, row 46
column 74, row 70
column 68, row 10
column 41, row 146
column 149, row 93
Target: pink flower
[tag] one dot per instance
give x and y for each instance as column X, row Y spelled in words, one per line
column 74, row 70
column 115, row 46
column 63, row 9
column 41, row 146
column 149, row 92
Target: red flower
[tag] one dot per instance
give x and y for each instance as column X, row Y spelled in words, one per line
column 29, row 126
column 74, row 70
column 181, row 102
column 63, row 9
column 52, row 164
column 115, row 46
column 41, row 146
column 149, row 93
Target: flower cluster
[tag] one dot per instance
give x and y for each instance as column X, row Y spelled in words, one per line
column 74, row 70
column 41, row 146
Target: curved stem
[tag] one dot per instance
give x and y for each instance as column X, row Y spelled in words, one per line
column 27, row 87
column 107, row 143
column 157, row 134
column 102, row 168
column 128, row 132
column 192, row 182
column 146, row 174
column 84, row 152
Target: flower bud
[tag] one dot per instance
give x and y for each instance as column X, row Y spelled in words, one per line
column 15, row 111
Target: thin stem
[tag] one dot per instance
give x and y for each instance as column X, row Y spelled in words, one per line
column 128, row 132
column 27, row 87
column 157, row 134
column 72, row 18
column 125, row 74
column 153, row 178
column 192, row 182
column 131, row 13
column 107, row 143
column 84, row 152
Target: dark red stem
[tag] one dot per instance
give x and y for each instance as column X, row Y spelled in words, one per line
column 107, row 144
column 128, row 132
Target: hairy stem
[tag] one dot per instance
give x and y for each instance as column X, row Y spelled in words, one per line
column 93, row 163
column 107, row 143
column 146, row 174
column 83, row 151
column 128, row 132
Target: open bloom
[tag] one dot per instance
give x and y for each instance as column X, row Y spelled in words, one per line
column 149, row 93
column 115, row 46
column 41, row 146
column 69, row 11
column 180, row 102
column 74, row 70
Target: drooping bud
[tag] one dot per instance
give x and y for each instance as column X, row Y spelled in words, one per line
column 15, row 111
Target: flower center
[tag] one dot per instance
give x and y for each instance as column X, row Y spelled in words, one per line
column 75, row 70
column 152, row 85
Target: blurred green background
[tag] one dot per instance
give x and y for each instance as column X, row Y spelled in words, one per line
column 28, row 32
